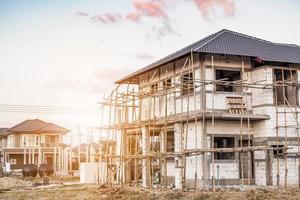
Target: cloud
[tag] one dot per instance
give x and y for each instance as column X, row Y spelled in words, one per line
column 65, row 84
column 157, row 10
column 83, row 14
column 148, row 8
column 111, row 73
column 163, row 30
column 206, row 6
column 144, row 56
column 107, row 18
column 102, row 79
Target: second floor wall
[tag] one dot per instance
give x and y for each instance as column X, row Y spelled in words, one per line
column 228, row 83
column 20, row 140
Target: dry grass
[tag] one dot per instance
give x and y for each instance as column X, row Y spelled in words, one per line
column 78, row 191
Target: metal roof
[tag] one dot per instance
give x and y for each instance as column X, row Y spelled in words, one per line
column 232, row 43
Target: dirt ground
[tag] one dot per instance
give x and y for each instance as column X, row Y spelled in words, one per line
column 12, row 188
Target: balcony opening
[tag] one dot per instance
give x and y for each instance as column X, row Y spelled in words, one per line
column 226, row 78
column 277, row 152
column 170, row 141
column 154, row 88
column 286, row 87
column 224, row 142
column 187, row 84
column 167, row 84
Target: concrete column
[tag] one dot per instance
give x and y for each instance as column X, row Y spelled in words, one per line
column 54, row 159
column 178, row 139
column 125, row 150
column 24, row 156
column 269, row 172
column 87, row 157
column 29, row 155
column 33, row 160
column 163, row 149
column 59, row 158
column 146, row 172
column 70, row 158
column 66, row 158
column 39, row 156
column 4, row 158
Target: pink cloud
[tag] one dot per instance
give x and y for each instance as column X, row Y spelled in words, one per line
column 228, row 7
column 149, row 8
column 133, row 16
column 206, row 6
column 157, row 9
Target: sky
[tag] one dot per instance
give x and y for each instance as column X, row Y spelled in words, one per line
column 59, row 57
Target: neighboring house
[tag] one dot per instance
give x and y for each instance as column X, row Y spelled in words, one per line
column 226, row 91
column 34, row 142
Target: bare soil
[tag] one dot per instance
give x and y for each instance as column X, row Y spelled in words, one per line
column 16, row 188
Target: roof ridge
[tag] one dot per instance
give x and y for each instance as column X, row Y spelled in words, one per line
column 50, row 123
column 27, row 120
column 249, row 36
column 190, row 45
column 217, row 35
column 259, row 39
column 47, row 123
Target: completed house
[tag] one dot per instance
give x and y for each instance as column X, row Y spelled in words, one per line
column 221, row 111
column 34, row 142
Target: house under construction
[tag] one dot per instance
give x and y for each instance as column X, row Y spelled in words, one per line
column 222, row 111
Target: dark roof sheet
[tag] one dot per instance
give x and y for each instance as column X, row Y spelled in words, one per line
column 232, row 43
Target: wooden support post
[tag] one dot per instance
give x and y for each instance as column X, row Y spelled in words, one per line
column 213, row 127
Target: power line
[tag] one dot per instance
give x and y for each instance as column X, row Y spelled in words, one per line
column 43, row 109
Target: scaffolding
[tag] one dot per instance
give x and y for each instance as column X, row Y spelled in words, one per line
column 141, row 128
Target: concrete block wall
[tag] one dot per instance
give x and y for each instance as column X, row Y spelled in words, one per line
column 224, row 170
column 89, row 172
column 194, row 141
column 262, row 101
column 292, row 175
column 260, row 173
column 262, row 75
column 227, row 61
column 267, row 128
column 155, row 106
column 170, row 168
column 227, row 128
column 178, row 137
column 220, row 100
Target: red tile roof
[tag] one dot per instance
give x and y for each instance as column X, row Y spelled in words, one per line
column 37, row 126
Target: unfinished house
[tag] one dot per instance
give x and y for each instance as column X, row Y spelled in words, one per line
column 222, row 111
column 34, row 142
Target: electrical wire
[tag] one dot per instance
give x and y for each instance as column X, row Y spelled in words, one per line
column 43, row 109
